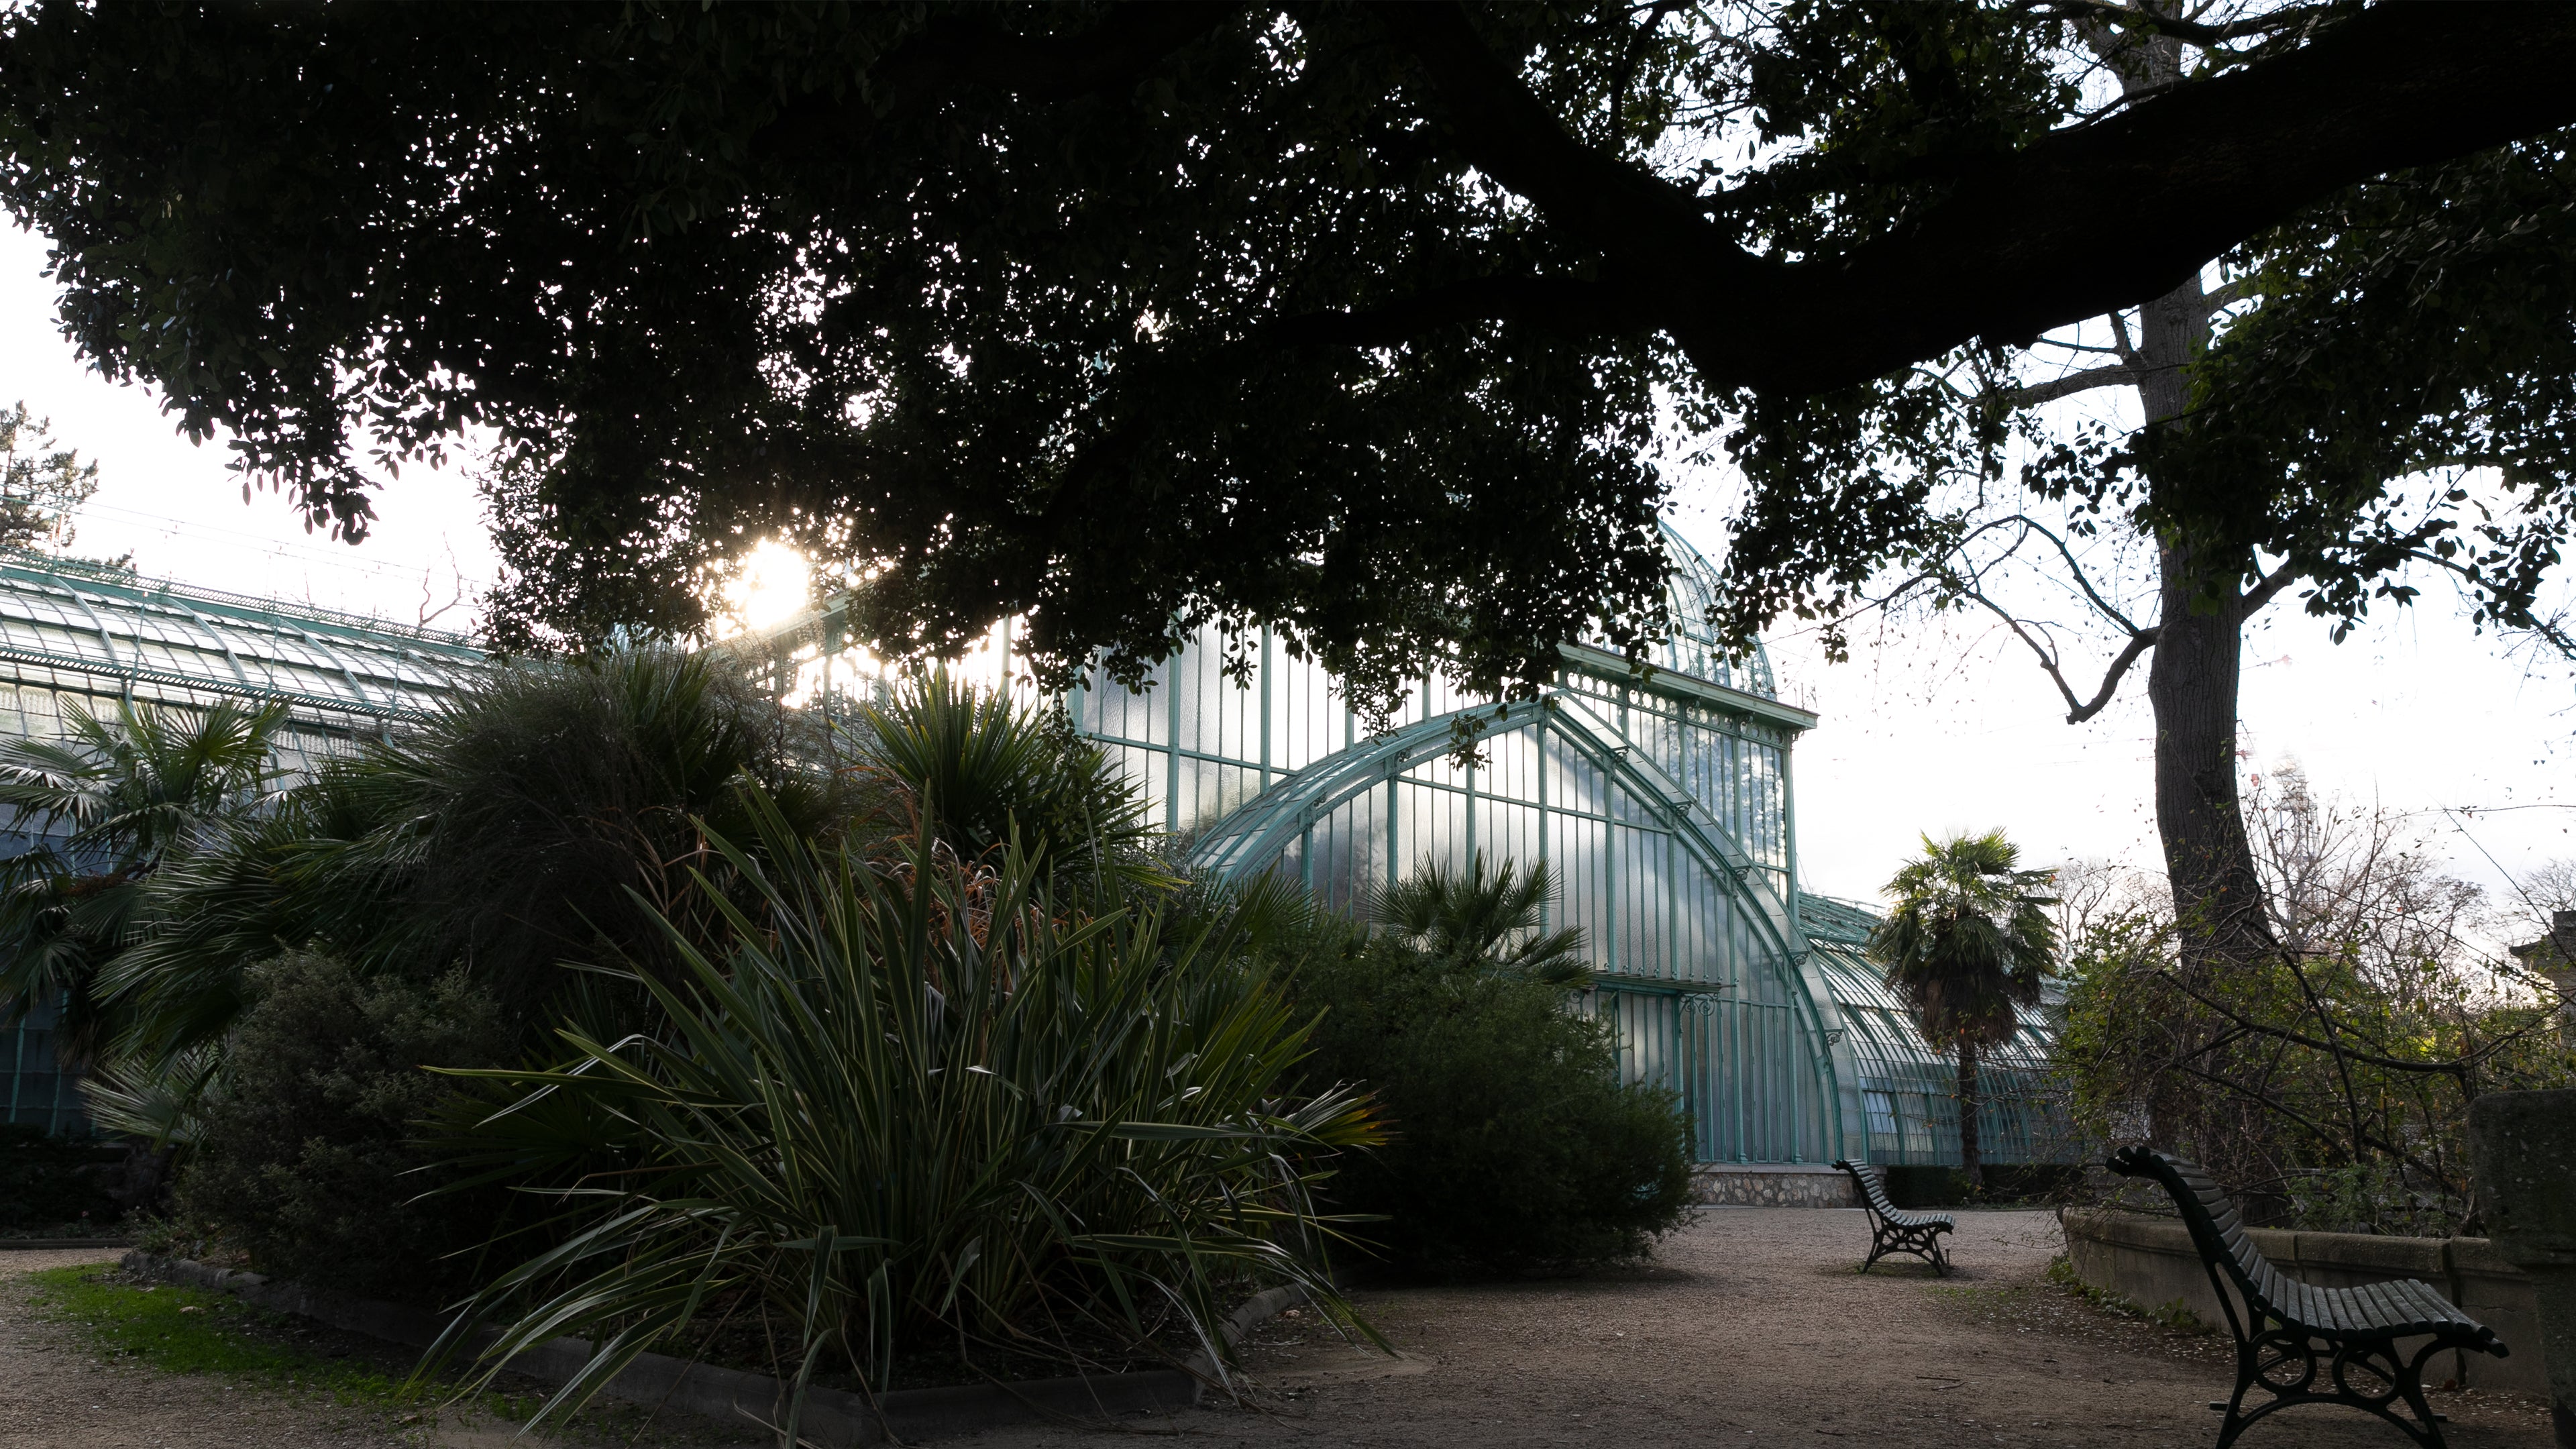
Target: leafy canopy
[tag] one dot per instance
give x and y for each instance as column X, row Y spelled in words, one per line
column 1355, row 321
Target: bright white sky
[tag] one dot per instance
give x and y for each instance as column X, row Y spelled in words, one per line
column 1933, row 733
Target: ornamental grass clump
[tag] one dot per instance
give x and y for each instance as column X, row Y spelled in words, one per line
column 908, row 1104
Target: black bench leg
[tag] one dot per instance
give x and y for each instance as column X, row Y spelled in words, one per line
column 2325, row 1378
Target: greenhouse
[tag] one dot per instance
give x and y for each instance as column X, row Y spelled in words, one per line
column 80, row 636
column 1665, row 805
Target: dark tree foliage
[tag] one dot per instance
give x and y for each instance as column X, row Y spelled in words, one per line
column 2422, row 324
column 1352, row 320
column 1514, row 1144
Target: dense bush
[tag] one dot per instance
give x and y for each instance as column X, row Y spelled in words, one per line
column 2327, row 1085
column 48, row 1181
column 539, row 817
column 1516, row 1146
column 307, row 1156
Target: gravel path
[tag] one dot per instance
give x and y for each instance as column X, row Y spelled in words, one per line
column 54, row 1396
column 1749, row 1328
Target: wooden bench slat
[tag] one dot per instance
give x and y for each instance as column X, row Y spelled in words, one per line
column 2332, row 1326
column 1893, row 1229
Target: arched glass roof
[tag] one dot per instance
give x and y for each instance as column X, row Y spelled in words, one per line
column 86, row 629
column 1692, row 648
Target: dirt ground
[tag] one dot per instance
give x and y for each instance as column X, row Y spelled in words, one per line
column 53, row 1396
column 1749, row 1328
column 56, row 1395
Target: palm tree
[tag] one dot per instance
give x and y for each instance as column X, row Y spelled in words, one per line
column 1484, row 919
column 111, row 803
column 1965, row 949
column 981, row 767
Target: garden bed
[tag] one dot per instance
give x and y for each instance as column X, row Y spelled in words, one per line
column 832, row 1417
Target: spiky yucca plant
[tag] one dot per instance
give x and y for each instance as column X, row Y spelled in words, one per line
column 911, row 1105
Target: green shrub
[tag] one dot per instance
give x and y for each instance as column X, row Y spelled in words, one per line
column 307, row 1153
column 48, row 1181
column 1516, row 1146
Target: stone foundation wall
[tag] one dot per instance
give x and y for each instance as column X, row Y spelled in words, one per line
column 2150, row 1262
column 1771, row 1184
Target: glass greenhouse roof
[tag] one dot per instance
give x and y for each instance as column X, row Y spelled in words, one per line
column 149, row 639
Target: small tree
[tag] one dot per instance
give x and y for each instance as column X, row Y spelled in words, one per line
column 1965, row 949
column 41, row 485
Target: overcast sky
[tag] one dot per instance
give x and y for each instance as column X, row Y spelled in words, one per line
column 1929, row 731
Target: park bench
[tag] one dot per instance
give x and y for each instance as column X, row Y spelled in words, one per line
column 2305, row 1344
column 1894, row 1230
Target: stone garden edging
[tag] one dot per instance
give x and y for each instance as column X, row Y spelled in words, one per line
column 2150, row 1261
column 1771, row 1184
column 833, row 1418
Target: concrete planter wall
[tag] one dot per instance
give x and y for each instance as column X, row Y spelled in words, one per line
column 2150, row 1262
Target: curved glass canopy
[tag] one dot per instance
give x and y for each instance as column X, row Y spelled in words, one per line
column 1662, row 801
column 79, row 635
column 74, row 632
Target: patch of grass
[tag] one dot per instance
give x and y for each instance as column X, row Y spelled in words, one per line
column 189, row 1331
column 2175, row 1315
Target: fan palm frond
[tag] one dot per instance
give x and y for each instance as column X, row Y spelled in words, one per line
column 1485, row 919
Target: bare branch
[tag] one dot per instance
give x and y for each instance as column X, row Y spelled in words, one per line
column 2207, row 37
column 2075, row 382
column 2261, row 594
column 2077, row 711
column 2548, row 631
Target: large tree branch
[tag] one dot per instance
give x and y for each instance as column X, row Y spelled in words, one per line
column 2259, row 595
column 2072, row 383
column 2126, row 17
column 2081, row 222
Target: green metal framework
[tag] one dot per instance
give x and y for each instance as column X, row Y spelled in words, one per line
column 1664, row 801
column 1665, row 804
column 74, row 633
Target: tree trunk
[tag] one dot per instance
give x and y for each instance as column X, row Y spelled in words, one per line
column 2192, row 682
column 1971, row 1155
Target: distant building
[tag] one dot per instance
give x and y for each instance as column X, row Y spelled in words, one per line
column 77, row 634
column 2554, row 957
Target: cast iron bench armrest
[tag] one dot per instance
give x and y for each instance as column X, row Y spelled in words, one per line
column 2291, row 1334
column 1894, row 1230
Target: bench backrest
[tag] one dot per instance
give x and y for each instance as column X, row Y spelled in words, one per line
column 2217, row 1229
column 1873, row 1186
